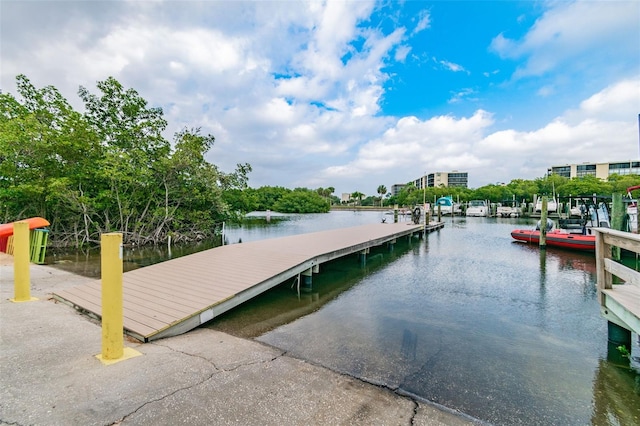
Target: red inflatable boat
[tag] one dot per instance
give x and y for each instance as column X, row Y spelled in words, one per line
column 557, row 238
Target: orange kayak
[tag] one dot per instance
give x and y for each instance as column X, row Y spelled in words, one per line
column 6, row 229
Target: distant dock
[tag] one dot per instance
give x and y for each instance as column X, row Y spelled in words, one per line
column 173, row 297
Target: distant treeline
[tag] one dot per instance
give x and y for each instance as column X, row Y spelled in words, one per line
column 518, row 189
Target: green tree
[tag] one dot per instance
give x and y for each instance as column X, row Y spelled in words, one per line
column 586, row 186
column 382, row 190
column 357, row 195
column 107, row 170
column 49, row 157
column 301, row 200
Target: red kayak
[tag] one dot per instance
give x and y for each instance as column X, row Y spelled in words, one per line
column 6, row 229
column 557, row 238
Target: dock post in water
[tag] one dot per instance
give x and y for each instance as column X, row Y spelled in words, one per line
column 22, row 274
column 307, row 280
column 543, row 223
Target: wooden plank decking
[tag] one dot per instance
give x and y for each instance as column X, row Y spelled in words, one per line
column 620, row 302
column 178, row 295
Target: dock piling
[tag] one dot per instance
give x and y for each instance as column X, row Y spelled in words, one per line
column 543, row 223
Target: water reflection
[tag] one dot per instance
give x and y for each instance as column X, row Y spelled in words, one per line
column 492, row 328
column 285, row 304
column 466, row 318
column 615, row 394
column 86, row 261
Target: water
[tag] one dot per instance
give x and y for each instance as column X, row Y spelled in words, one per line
column 467, row 318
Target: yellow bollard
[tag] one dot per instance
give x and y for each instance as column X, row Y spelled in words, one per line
column 113, row 349
column 21, row 273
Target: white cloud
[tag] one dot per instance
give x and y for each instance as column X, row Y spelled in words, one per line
column 424, row 21
column 296, row 88
column 411, row 146
column 452, row 66
column 603, row 128
column 402, row 52
column 570, row 32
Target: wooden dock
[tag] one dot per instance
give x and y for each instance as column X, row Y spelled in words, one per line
column 175, row 296
column 620, row 303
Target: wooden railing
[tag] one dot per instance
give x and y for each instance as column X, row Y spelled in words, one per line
column 620, row 303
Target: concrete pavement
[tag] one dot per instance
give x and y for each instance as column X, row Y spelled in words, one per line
column 49, row 375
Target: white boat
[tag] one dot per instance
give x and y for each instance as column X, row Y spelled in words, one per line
column 446, row 206
column 508, row 211
column 552, row 205
column 509, row 208
column 477, row 208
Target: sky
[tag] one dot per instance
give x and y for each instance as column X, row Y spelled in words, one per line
column 355, row 94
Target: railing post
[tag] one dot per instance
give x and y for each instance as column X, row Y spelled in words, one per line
column 601, row 274
column 21, row 272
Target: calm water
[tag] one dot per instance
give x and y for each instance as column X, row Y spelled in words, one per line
column 467, row 318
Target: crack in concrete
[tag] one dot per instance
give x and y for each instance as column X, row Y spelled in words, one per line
column 3, row 422
column 161, row 398
column 412, row 420
column 218, row 371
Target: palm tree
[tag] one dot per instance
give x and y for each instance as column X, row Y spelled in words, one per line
column 382, row 190
column 357, row 195
column 328, row 192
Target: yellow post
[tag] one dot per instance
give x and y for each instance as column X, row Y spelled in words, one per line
column 113, row 349
column 112, row 316
column 21, row 273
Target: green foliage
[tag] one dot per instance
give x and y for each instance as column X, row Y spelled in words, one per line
column 107, row 170
column 357, row 195
column 521, row 190
column 301, row 200
column 277, row 198
column 624, row 351
column 382, row 190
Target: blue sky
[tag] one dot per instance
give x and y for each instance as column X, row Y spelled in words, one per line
column 355, row 94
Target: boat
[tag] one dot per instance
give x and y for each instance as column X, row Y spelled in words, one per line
column 509, row 208
column 477, row 208
column 447, row 206
column 557, row 238
column 573, row 236
column 552, row 205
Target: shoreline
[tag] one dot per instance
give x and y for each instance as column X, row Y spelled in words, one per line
column 50, row 375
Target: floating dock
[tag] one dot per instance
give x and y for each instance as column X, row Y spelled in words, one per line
column 173, row 297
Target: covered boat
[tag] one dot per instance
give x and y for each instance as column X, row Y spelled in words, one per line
column 447, row 206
